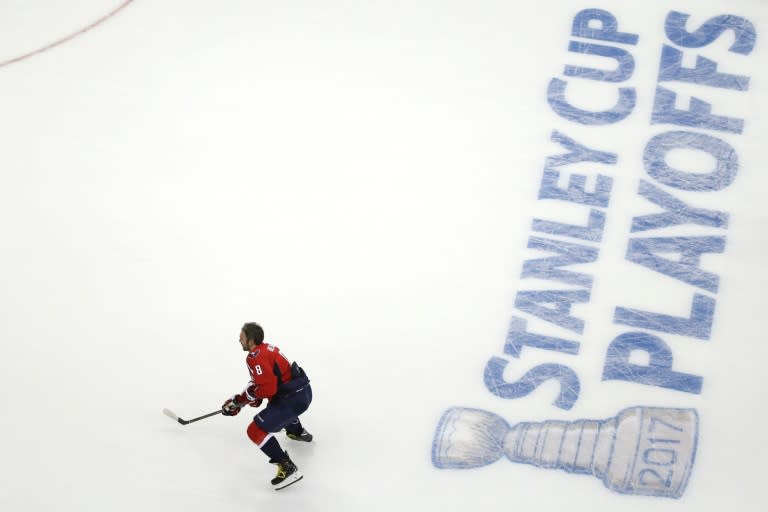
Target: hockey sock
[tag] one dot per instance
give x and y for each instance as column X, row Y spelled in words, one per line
column 273, row 450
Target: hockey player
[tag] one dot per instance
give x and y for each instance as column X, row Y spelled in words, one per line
column 286, row 387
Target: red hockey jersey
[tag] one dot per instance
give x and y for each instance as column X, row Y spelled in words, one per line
column 269, row 368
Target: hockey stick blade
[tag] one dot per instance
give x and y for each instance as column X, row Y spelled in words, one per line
column 173, row 416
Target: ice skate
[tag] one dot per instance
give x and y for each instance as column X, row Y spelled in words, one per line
column 287, row 473
column 301, row 436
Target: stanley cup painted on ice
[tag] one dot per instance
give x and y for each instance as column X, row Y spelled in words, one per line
column 642, row 450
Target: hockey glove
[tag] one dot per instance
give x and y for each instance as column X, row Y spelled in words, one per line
column 249, row 395
column 231, row 407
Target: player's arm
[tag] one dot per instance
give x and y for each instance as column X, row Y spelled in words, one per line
column 236, row 402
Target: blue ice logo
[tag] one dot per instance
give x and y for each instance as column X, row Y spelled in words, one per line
column 643, row 450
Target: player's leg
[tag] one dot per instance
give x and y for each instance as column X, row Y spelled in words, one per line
column 299, row 402
column 261, row 431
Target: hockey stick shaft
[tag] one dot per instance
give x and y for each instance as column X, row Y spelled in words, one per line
column 173, row 416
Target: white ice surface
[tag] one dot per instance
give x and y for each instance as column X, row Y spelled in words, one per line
column 360, row 178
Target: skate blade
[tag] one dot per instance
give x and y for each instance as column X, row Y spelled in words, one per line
column 289, row 481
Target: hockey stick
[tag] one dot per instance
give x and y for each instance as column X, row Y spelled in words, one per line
column 173, row 416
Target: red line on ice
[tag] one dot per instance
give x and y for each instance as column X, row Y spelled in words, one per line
column 69, row 37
